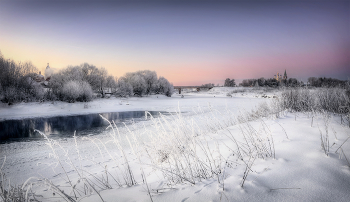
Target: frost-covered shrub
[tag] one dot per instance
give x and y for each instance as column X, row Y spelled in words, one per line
column 303, row 100
column 77, row 91
column 10, row 94
column 169, row 90
column 164, row 87
column 70, row 91
column 86, row 93
column 38, row 91
column 50, row 95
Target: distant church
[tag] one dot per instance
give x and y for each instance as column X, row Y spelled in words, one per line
column 278, row 77
column 47, row 73
column 41, row 78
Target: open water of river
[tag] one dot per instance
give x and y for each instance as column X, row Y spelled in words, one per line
column 64, row 126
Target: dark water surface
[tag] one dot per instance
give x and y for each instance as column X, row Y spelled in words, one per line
column 64, row 126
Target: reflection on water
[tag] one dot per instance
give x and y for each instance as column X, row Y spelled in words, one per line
column 63, row 125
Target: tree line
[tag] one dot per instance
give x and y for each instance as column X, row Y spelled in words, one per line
column 229, row 82
column 16, row 83
column 327, row 82
column 86, row 78
column 75, row 83
column 291, row 82
column 271, row 82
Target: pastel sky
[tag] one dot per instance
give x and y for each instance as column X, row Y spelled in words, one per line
column 188, row 42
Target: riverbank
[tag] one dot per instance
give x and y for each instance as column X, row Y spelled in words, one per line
column 219, row 150
column 217, row 97
column 287, row 164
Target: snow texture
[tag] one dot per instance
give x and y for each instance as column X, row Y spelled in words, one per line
column 294, row 169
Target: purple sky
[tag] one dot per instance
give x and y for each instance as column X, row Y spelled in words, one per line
column 188, row 43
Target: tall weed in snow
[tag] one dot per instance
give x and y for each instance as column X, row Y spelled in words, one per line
column 324, row 102
column 12, row 193
column 320, row 100
column 325, row 136
column 255, row 144
column 186, row 150
column 333, row 100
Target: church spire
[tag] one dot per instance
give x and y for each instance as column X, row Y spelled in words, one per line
column 285, row 74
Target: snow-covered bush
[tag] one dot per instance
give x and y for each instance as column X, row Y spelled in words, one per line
column 70, row 91
column 10, row 94
column 77, row 91
column 86, row 93
column 38, row 91
column 304, row 100
column 164, row 87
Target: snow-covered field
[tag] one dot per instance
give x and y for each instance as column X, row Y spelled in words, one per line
column 217, row 151
column 216, row 97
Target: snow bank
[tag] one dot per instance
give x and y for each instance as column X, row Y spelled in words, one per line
column 149, row 103
column 267, row 159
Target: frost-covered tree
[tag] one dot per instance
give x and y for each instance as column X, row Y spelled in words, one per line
column 229, row 82
column 149, row 77
column 138, row 84
column 326, row 82
column 111, row 83
column 145, row 82
column 164, row 87
column 102, row 76
column 261, row 81
column 124, row 89
column 95, row 77
column 15, row 81
column 91, row 75
column 151, row 80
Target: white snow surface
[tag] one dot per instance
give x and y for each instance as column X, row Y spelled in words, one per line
column 296, row 170
column 215, row 97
